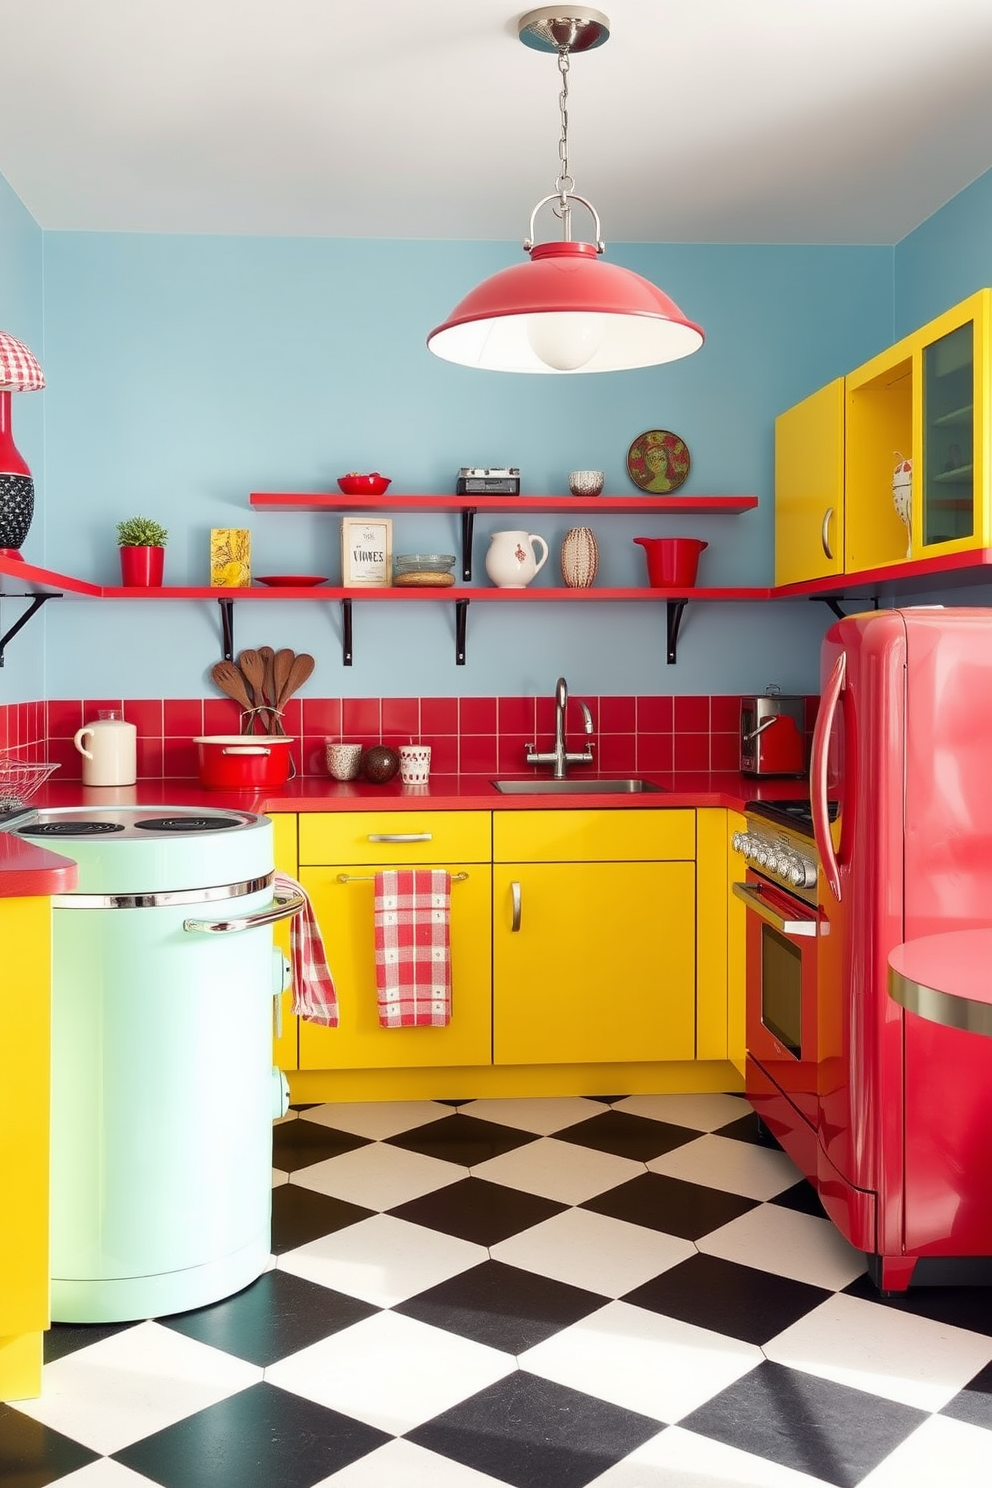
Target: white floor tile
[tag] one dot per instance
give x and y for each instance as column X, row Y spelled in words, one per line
column 391, row 1371
column 787, row 1243
column 737, row 1167
column 105, row 1473
column 701, row 1112
column 134, row 1383
column 401, row 1464
column 559, row 1170
column 941, row 1451
column 378, row 1176
column 894, row 1354
column 382, row 1259
column 279, row 1178
column 589, row 1250
column 541, row 1114
column 642, row 1361
column 681, row 1459
column 376, row 1119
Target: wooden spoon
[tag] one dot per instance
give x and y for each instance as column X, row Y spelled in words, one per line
column 282, row 664
column 230, row 681
column 298, row 673
column 253, row 670
column 268, row 685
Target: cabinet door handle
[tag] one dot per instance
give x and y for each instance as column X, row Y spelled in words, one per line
column 828, row 517
column 400, row 837
column 516, row 903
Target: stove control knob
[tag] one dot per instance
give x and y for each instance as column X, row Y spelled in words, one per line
column 737, row 842
column 761, row 855
column 805, row 874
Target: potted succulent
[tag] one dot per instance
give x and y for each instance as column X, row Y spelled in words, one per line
column 142, row 544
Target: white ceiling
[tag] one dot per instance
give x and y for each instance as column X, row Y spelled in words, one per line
column 786, row 121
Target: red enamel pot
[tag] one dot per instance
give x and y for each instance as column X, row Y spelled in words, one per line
column 243, row 761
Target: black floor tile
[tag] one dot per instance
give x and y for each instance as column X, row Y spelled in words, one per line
column 802, row 1197
column 747, row 1128
column 960, row 1306
column 533, row 1433
column 974, row 1403
column 300, row 1144
column 502, row 1306
column 278, row 1314
column 625, row 1135
column 261, row 1438
column 65, row 1338
column 670, row 1205
column 728, row 1298
column 475, row 1209
column 462, row 1139
column 32, row 1455
column 300, row 1215
column 809, row 1424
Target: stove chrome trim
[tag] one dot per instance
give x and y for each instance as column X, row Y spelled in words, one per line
column 165, row 898
column 754, row 901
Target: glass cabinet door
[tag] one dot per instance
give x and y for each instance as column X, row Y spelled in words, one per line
column 948, row 487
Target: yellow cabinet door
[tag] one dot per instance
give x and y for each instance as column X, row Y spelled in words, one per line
column 343, row 900
column 593, row 962
column 285, row 1051
column 809, row 487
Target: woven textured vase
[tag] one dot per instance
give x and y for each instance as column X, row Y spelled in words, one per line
column 579, row 557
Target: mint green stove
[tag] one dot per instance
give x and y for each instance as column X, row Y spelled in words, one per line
column 163, row 1089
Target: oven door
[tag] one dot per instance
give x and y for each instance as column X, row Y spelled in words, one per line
column 780, row 995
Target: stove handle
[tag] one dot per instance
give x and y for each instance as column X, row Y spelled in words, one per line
column 283, row 907
column 818, row 773
column 752, row 898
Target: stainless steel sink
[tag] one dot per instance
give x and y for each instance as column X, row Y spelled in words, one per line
column 576, row 787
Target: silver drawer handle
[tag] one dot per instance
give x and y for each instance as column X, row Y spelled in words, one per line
column 368, row 877
column 283, row 907
column 754, row 901
column 401, row 837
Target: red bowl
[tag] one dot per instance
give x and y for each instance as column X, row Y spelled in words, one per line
column 363, row 485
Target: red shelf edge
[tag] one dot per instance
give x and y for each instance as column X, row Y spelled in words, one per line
column 328, row 502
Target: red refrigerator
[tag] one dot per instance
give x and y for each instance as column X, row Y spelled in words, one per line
column 903, row 744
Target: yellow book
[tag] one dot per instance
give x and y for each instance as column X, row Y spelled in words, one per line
column 230, row 558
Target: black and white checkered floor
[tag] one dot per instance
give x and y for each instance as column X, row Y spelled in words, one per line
column 626, row 1292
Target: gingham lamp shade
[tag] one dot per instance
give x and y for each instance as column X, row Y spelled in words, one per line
column 19, row 373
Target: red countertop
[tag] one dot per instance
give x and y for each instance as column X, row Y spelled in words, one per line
column 26, row 869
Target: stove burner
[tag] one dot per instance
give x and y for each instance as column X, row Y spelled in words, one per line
column 792, row 813
column 187, row 823
column 70, row 829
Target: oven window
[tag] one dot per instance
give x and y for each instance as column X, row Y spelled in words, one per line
column 781, row 989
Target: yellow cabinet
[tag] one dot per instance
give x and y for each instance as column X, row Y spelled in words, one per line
column 924, row 399
column 25, row 1008
column 285, row 1052
column 593, row 936
column 809, row 487
column 339, row 856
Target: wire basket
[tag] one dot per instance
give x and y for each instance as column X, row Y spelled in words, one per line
column 20, row 779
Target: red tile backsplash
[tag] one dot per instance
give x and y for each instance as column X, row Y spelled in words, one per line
column 484, row 736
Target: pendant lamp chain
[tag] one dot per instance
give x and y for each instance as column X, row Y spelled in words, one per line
column 564, row 184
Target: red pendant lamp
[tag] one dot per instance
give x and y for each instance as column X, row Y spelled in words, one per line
column 565, row 310
column 19, row 373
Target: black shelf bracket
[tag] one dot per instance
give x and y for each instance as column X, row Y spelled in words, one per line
column 227, row 628
column 832, row 602
column 347, row 634
column 468, row 528
column 37, row 600
column 461, row 614
column 675, row 609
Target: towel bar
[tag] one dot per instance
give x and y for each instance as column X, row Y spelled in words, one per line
column 368, row 877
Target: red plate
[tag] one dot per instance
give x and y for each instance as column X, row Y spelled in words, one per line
column 292, row 581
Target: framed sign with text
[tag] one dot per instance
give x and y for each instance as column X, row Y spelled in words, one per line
column 366, row 552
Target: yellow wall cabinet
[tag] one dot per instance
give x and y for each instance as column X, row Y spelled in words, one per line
column 339, row 855
column 25, row 1011
column 809, row 487
column 593, row 936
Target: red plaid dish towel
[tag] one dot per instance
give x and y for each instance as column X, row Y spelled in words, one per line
column 314, row 997
column 412, row 947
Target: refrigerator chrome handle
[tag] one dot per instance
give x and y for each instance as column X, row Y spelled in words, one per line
column 818, row 773
column 828, row 517
column 752, row 898
column 283, row 907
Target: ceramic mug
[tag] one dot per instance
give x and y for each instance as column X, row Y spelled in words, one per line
column 343, row 760
column 415, row 763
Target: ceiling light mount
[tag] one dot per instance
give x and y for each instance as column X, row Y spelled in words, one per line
column 564, row 311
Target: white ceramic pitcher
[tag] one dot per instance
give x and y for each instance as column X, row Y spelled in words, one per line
column 109, row 748
column 511, row 561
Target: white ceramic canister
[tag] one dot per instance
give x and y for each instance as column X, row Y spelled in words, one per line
column 511, row 561
column 110, row 750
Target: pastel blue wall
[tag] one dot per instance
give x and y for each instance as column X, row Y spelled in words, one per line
column 21, row 266
column 186, row 372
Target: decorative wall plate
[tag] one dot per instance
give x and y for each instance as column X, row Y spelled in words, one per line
column 658, row 461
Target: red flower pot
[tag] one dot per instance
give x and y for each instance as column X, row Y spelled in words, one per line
column 141, row 568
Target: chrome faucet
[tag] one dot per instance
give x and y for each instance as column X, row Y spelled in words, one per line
column 560, row 757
